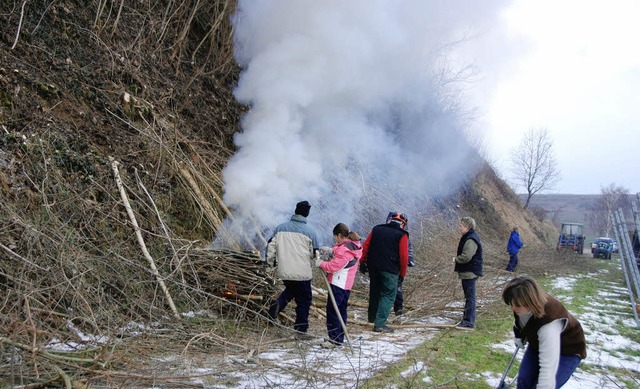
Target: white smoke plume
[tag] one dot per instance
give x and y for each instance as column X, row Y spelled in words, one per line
column 353, row 107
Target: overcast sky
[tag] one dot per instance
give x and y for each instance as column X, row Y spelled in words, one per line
column 573, row 67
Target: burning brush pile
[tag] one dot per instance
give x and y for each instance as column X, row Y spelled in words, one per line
column 234, row 275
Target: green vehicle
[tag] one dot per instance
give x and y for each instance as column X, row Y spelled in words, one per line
column 571, row 237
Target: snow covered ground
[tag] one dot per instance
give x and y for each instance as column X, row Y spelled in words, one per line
column 295, row 364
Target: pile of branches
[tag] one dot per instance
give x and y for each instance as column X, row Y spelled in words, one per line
column 239, row 275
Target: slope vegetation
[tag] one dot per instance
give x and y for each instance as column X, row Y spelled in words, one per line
column 89, row 89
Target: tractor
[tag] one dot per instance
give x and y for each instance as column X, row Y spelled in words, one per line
column 571, row 237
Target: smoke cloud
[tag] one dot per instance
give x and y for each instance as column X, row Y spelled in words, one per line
column 355, row 106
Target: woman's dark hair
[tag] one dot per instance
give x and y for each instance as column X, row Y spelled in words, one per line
column 343, row 230
column 524, row 291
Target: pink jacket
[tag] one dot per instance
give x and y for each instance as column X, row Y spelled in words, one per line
column 343, row 267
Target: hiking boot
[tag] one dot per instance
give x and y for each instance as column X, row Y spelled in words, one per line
column 384, row 329
column 303, row 336
column 399, row 311
column 274, row 309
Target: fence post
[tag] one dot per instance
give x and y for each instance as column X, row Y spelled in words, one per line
column 628, row 266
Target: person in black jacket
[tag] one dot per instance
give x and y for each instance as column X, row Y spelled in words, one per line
column 398, row 304
column 385, row 254
column 468, row 265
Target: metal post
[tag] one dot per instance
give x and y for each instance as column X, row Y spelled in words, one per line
column 631, row 259
column 625, row 268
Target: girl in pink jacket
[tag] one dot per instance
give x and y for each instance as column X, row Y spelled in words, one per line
column 341, row 272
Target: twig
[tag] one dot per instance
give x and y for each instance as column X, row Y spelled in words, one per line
column 143, row 246
column 155, row 208
column 115, row 23
column 65, row 377
column 15, row 42
column 49, row 354
column 363, row 323
column 15, row 255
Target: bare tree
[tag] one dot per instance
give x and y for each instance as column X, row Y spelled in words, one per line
column 533, row 163
column 612, row 197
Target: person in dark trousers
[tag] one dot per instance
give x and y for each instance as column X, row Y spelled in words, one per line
column 341, row 273
column 556, row 339
column 513, row 246
column 468, row 265
column 398, row 304
column 635, row 246
column 385, row 255
column 292, row 250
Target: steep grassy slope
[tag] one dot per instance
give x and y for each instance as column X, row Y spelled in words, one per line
column 149, row 85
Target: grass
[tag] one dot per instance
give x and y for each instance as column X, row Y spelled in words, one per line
column 461, row 359
column 454, row 358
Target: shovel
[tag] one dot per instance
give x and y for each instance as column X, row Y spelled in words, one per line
column 501, row 385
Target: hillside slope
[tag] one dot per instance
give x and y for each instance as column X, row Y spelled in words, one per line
column 149, row 86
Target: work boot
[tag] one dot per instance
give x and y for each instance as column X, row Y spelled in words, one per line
column 303, row 336
column 464, row 326
column 384, row 329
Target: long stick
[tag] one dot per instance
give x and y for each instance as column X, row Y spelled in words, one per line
column 143, row 246
column 335, row 306
column 513, row 358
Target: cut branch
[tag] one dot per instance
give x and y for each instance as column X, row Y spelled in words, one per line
column 143, row 246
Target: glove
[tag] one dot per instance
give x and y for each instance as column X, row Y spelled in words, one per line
column 519, row 342
column 364, row 268
column 454, row 259
column 318, row 262
column 326, row 253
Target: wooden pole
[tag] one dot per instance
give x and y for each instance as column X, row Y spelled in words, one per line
column 143, row 246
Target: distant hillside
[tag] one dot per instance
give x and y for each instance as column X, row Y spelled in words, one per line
column 565, row 208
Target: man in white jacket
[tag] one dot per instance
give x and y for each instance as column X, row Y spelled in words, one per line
column 292, row 250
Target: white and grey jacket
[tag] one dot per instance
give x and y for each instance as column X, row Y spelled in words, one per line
column 291, row 249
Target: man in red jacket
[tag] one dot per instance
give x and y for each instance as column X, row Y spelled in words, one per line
column 385, row 255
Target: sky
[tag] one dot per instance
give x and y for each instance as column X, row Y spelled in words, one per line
column 370, row 106
column 572, row 67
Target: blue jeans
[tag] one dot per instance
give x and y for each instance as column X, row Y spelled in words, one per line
column 513, row 262
column 469, row 289
column 530, row 368
column 301, row 292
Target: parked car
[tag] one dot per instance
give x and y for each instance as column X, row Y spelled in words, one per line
column 602, row 247
column 594, row 244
